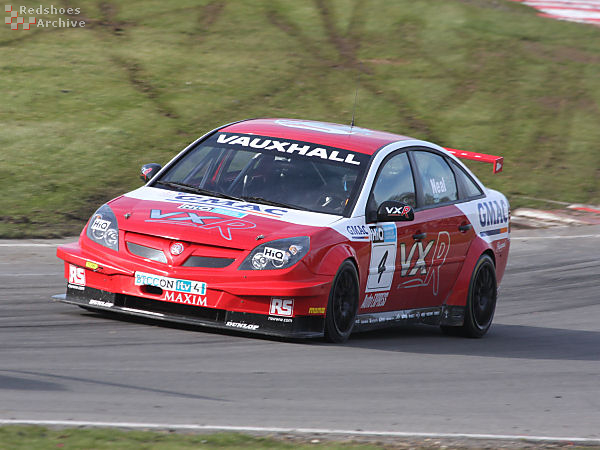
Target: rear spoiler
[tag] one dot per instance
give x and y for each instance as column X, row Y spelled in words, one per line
column 497, row 161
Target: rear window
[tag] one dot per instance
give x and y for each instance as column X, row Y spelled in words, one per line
column 436, row 178
column 468, row 185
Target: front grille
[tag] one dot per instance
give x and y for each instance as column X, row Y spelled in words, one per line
column 208, row 261
column 145, row 304
column 146, row 252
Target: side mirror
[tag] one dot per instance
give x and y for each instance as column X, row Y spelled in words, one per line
column 392, row 211
column 148, row 171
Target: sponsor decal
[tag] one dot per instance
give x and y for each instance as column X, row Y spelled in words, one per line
column 275, row 254
column 170, row 284
column 76, row 275
column 501, row 245
column 76, row 286
column 393, row 316
column 396, row 211
column 100, row 225
column 245, row 326
column 229, row 205
column 383, row 257
column 282, row 307
column 383, row 233
column 490, row 217
column 316, row 310
column 91, row 265
column 184, row 299
column 494, row 232
column 410, row 269
column 299, row 148
column 176, row 248
column 493, row 213
column 375, row 300
column 214, row 209
column 438, row 186
column 280, row 319
column 206, row 222
column 358, row 232
column 100, row 303
column 425, row 273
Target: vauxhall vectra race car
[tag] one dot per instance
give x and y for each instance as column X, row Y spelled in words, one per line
column 300, row 229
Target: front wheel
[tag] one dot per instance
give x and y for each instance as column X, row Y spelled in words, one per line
column 481, row 301
column 343, row 304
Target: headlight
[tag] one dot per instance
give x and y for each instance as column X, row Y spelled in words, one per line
column 103, row 228
column 279, row 254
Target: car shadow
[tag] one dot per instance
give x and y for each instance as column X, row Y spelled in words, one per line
column 501, row 341
column 110, row 315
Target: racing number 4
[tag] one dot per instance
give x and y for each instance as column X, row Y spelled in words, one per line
column 381, row 266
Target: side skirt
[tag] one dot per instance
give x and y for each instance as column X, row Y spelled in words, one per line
column 439, row 315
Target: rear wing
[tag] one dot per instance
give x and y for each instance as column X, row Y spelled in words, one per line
column 497, row 161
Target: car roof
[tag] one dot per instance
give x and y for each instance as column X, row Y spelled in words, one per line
column 357, row 139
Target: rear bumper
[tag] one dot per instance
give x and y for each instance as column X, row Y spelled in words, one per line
column 104, row 301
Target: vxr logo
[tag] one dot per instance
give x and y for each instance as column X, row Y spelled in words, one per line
column 397, row 211
column 192, row 219
column 426, row 272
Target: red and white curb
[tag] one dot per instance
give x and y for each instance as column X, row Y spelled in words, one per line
column 572, row 215
column 300, row 431
column 581, row 11
column 534, row 218
column 585, row 208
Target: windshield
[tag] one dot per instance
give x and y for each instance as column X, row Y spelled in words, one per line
column 266, row 170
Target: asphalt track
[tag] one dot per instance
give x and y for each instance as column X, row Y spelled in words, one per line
column 536, row 373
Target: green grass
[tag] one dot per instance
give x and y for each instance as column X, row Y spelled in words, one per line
column 36, row 437
column 83, row 109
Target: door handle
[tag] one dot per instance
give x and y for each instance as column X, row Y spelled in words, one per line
column 465, row 227
column 419, row 236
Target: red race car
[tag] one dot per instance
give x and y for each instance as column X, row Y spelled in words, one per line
column 300, row 229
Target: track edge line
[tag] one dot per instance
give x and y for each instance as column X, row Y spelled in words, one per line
column 325, row 431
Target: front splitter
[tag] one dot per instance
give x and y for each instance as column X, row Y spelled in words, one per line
column 299, row 327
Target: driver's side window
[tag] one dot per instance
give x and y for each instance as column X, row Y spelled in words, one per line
column 394, row 182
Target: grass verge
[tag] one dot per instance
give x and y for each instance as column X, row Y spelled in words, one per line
column 15, row 437
column 35, row 437
column 84, row 108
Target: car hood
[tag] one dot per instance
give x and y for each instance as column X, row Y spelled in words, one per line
column 210, row 220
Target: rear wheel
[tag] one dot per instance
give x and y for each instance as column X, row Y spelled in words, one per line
column 481, row 301
column 343, row 304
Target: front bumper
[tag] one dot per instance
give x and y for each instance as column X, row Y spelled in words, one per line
column 238, row 300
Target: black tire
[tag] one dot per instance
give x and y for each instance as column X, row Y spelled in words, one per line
column 343, row 304
column 481, row 301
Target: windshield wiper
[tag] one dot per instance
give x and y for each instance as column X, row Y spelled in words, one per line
column 197, row 190
column 272, row 203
